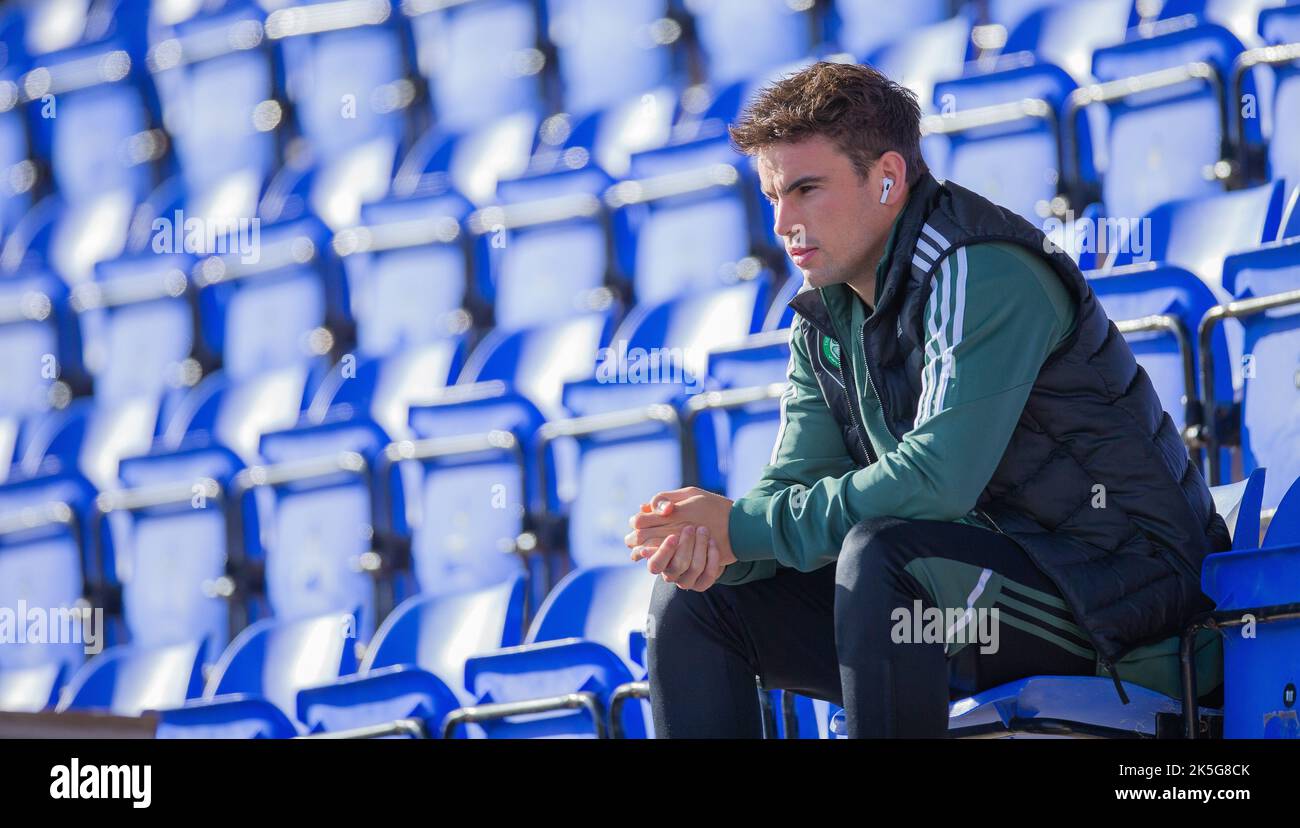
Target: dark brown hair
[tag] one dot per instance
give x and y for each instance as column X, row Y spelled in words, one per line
column 862, row 111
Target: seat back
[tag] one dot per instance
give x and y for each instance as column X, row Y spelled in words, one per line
column 41, row 570
column 1270, row 401
column 481, row 59
column 747, row 432
column 226, row 152
column 537, row 361
column 1240, row 505
column 1161, row 142
column 438, row 633
column 602, row 604
column 1260, row 670
column 743, row 38
column 467, row 508
column 319, row 527
column 172, row 557
column 1029, row 143
column 407, row 269
column 698, row 224
column 273, row 659
column 1139, row 292
column 128, row 680
column 1197, row 233
column 1279, row 26
column 548, row 251
column 1067, row 34
column 609, row 52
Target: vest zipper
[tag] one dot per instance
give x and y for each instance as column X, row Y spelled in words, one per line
column 857, row 418
column 866, row 362
column 990, row 521
column 870, row 381
column 1114, row 676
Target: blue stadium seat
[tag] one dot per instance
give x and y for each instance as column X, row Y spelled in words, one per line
column 226, row 152
column 89, row 436
column 1284, row 526
column 609, row 52
column 1196, row 233
column 1007, row 118
column 171, row 533
column 1067, row 34
column 482, row 59
column 415, row 667
column 693, row 219
column 469, row 161
column 54, row 26
column 610, row 136
column 749, row 381
column 407, row 268
column 347, row 75
column 276, row 303
column 252, row 691
column 538, row 361
column 1061, row 705
column 102, row 89
column 222, row 410
column 547, row 247
column 245, row 717
column 35, row 320
column 320, row 522
column 470, row 485
column 32, row 688
column 44, row 550
column 581, row 642
column 743, row 38
column 780, row 315
column 1238, row 16
column 1280, row 30
column 1241, row 505
column 922, row 57
column 1159, row 311
column 858, row 26
column 625, row 432
column 385, row 388
column 1263, row 285
column 128, row 680
column 137, row 325
column 1169, row 125
column 1260, row 666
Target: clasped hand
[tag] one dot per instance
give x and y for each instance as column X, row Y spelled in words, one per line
column 684, row 535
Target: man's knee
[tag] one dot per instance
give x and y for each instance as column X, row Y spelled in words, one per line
column 872, row 551
column 675, row 613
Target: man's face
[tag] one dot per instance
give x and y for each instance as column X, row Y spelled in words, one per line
column 831, row 221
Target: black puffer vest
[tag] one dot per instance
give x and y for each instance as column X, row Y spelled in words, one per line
column 1096, row 484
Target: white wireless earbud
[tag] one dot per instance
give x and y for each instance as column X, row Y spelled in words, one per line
column 885, row 185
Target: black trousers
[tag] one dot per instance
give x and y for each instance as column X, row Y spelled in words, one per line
column 862, row 633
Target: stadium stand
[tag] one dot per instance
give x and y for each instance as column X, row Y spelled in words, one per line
column 339, row 338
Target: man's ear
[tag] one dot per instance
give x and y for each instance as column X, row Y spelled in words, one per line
column 890, row 166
